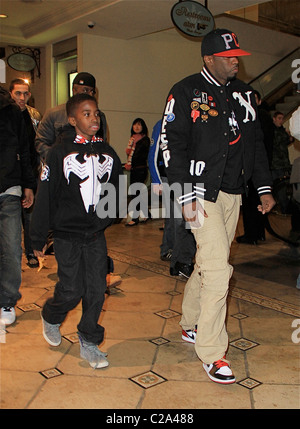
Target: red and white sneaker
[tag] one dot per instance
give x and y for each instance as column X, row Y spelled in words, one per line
column 220, row 371
column 189, row 335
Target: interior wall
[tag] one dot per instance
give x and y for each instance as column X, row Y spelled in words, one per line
column 266, row 46
column 63, row 68
column 135, row 76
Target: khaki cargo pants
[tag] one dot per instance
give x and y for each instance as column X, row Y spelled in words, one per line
column 204, row 303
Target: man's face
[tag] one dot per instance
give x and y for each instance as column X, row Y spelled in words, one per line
column 278, row 120
column 223, row 68
column 21, row 95
column 86, row 119
column 83, row 89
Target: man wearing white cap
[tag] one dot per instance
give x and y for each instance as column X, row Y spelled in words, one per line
column 212, row 144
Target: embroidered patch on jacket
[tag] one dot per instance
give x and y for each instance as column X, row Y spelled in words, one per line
column 45, row 173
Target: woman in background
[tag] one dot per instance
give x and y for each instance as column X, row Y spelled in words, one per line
column 137, row 155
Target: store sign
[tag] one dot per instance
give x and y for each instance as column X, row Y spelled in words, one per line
column 192, row 18
column 21, row 62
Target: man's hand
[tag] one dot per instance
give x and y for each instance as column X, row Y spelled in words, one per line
column 28, row 199
column 157, row 188
column 267, row 203
column 194, row 213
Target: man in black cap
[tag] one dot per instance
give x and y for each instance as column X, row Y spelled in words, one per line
column 212, row 144
column 56, row 118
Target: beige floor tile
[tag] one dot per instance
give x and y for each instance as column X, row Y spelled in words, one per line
column 172, row 329
column 277, row 329
column 138, row 279
column 32, row 295
column 129, row 325
column 17, row 388
column 126, row 359
column 87, row 392
column 27, row 323
column 178, row 361
column 276, row 364
column 268, row 288
column 139, row 302
column 277, row 397
column 120, row 267
column 195, row 395
column 25, row 352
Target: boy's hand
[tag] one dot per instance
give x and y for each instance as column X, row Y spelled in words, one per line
column 28, row 198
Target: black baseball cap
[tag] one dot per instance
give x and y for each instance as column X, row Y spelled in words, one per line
column 222, row 43
column 85, row 79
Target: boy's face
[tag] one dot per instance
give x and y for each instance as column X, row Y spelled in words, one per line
column 86, row 119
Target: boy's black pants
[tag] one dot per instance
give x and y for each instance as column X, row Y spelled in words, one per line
column 82, row 270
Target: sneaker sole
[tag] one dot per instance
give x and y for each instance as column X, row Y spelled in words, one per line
column 97, row 365
column 7, row 322
column 49, row 341
column 218, row 380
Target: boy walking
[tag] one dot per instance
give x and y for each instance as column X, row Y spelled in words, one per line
column 76, row 169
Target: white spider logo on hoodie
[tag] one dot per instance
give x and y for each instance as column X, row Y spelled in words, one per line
column 91, row 172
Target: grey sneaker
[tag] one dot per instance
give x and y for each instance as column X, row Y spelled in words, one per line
column 92, row 354
column 51, row 333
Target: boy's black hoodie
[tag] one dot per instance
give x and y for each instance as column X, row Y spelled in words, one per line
column 68, row 192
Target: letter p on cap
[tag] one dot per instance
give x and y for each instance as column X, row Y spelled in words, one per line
column 227, row 39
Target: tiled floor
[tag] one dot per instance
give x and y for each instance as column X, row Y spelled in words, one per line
column 150, row 366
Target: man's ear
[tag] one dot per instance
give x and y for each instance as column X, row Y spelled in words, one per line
column 72, row 121
column 208, row 59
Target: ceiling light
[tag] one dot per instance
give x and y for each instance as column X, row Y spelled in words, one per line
column 3, row 15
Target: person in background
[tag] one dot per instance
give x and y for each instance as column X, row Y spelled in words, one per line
column 294, row 126
column 280, row 164
column 56, row 118
column 17, row 186
column 69, row 194
column 253, row 220
column 212, row 145
column 20, row 92
column 178, row 243
column 137, row 155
